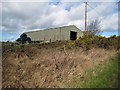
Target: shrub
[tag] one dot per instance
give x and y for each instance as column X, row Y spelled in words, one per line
column 70, row 45
column 29, row 39
column 88, row 41
column 23, row 39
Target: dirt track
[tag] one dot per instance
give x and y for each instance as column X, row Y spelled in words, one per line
column 49, row 67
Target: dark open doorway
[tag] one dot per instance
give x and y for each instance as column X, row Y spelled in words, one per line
column 73, row 35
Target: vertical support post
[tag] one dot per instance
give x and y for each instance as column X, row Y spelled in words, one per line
column 85, row 16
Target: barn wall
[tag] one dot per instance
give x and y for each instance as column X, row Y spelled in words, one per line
column 53, row 34
column 66, row 32
column 36, row 35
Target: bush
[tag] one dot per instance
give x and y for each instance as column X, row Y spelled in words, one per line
column 23, row 39
column 88, row 41
column 29, row 39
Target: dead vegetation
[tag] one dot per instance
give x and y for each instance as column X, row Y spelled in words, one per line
column 54, row 64
column 35, row 67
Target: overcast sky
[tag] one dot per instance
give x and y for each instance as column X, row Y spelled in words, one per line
column 21, row 16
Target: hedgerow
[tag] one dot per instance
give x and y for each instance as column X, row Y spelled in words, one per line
column 87, row 42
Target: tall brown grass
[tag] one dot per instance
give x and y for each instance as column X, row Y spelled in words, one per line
column 50, row 68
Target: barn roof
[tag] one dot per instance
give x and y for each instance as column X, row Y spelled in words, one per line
column 53, row 28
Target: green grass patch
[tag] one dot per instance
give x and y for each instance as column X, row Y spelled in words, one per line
column 104, row 76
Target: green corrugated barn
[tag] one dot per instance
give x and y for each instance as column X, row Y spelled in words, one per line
column 52, row 34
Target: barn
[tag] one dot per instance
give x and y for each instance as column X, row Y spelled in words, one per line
column 53, row 34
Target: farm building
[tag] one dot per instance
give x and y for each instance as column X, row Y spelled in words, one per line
column 60, row 33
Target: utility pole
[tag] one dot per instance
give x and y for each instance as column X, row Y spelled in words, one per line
column 85, row 16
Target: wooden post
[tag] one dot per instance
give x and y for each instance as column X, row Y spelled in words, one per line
column 85, row 16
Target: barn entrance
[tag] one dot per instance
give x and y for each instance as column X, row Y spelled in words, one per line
column 73, row 35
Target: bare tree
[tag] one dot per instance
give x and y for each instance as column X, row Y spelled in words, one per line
column 94, row 28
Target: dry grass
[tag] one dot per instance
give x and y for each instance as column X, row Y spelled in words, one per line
column 50, row 67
